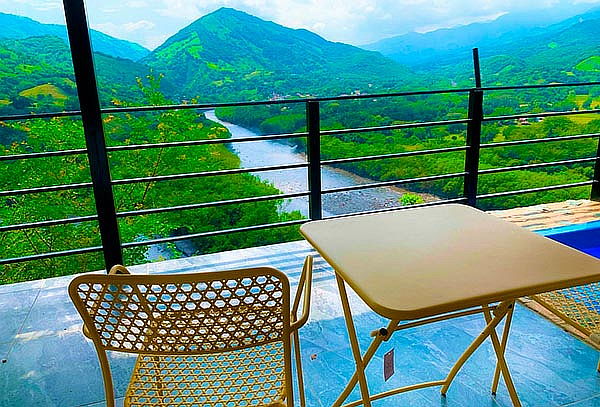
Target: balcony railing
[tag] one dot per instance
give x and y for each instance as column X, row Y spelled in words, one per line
column 102, row 184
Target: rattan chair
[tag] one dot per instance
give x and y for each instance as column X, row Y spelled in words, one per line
column 207, row 339
column 577, row 306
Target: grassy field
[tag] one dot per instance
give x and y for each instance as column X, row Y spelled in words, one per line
column 45, row 90
column 583, row 119
column 591, row 64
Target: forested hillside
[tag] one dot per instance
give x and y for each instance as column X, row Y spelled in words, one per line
column 567, row 55
column 36, row 75
column 449, row 46
column 17, row 27
column 124, row 129
column 230, row 55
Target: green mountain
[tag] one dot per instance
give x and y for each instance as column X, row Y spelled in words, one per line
column 562, row 53
column 454, row 45
column 17, row 27
column 230, row 55
column 36, row 74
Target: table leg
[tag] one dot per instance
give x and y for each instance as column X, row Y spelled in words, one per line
column 366, row 359
column 503, row 345
column 499, row 349
column 360, row 365
column 501, row 312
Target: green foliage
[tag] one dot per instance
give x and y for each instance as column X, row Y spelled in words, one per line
column 42, row 65
column 591, row 64
column 411, row 199
column 17, row 27
column 230, row 55
column 66, row 133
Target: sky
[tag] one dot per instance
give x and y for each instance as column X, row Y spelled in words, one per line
column 150, row 22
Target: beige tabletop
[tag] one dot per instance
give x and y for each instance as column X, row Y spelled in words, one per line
column 421, row 262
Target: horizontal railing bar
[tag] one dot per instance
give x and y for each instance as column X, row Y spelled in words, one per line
column 52, row 188
column 391, row 183
column 393, row 127
column 215, row 233
column 211, row 204
column 47, row 223
column 395, row 94
column 29, row 116
column 203, row 142
column 208, row 174
column 532, row 190
column 260, row 138
column 51, row 255
column 535, row 115
column 400, row 208
column 395, row 155
column 42, row 154
column 540, row 140
column 209, row 106
column 540, row 165
column 547, row 85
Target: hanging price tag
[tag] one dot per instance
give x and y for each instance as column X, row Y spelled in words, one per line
column 388, row 365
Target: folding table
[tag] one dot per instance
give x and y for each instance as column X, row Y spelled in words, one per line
column 434, row 263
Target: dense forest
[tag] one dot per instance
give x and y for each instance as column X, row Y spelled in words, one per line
column 231, row 56
column 125, row 129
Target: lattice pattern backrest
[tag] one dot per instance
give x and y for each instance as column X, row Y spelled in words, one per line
column 580, row 304
column 184, row 313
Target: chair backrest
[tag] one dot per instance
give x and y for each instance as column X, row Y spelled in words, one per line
column 183, row 314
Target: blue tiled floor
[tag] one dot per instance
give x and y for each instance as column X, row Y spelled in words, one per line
column 49, row 363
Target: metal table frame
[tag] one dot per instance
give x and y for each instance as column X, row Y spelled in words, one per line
column 451, row 261
column 494, row 314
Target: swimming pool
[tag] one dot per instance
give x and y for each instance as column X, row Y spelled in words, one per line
column 584, row 237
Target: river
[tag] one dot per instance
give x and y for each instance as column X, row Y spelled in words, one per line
column 267, row 153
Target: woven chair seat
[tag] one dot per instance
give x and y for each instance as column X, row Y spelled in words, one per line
column 252, row 376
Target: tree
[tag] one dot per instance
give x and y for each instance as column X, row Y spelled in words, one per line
column 408, row 199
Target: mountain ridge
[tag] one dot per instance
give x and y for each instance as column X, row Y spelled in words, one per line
column 18, row 27
column 455, row 44
column 234, row 52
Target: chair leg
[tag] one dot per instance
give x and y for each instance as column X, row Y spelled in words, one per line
column 299, row 373
column 598, row 365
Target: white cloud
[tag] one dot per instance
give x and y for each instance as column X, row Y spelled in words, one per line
column 460, row 21
column 352, row 21
column 137, row 4
column 360, row 21
column 39, row 5
column 138, row 25
column 126, row 30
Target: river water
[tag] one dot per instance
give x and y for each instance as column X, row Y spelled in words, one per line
column 267, row 153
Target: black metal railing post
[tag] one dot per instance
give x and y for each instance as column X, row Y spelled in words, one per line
column 473, row 145
column 474, row 134
column 476, row 67
column 87, row 90
column 313, row 122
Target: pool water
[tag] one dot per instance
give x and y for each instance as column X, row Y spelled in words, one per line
column 584, row 237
